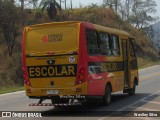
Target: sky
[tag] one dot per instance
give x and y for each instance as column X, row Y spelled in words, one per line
column 158, row 7
column 77, row 3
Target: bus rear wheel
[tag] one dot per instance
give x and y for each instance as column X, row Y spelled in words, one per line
column 132, row 90
column 107, row 96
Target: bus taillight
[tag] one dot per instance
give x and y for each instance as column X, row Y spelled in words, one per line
column 25, row 73
column 81, row 76
column 25, row 77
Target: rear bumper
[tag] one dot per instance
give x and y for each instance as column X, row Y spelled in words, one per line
column 88, row 97
column 39, row 92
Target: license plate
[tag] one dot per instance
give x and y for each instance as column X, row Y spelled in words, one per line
column 53, row 92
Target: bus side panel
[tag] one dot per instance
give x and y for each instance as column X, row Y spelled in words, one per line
column 97, row 84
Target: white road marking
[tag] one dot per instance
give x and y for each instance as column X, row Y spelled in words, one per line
column 149, row 67
column 144, row 108
column 131, row 105
column 137, row 101
column 149, row 76
column 151, row 102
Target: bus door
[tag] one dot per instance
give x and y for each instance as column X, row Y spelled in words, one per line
column 126, row 63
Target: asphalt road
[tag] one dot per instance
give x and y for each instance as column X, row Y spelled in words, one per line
column 147, row 98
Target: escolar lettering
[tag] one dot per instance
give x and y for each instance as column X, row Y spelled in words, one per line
column 109, row 66
column 52, row 71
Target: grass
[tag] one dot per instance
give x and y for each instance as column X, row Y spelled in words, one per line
column 146, row 62
column 9, row 89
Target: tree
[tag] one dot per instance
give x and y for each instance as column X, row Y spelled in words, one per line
column 128, row 6
column 141, row 13
column 65, row 2
column 52, row 7
column 71, row 4
column 122, row 11
column 112, row 3
column 11, row 22
column 125, row 9
column 34, row 3
column 12, row 2
column 107, row 3
column 22, row 4
column 60, row 3
column 116, row 3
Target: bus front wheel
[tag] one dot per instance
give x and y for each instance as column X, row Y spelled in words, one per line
column 107, row 95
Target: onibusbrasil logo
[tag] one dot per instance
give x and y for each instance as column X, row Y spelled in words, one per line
column 52, row 38
column 20, row 114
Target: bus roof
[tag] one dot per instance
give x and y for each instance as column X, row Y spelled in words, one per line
column 98, row 27
column 111, row 30
column 55, row 23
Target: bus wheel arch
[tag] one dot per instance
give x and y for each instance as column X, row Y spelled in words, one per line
column 107, row 94
column 132, row 90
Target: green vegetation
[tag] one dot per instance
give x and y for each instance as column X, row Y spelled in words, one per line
column 52, row 7
column 4, row 90
column 147, row 62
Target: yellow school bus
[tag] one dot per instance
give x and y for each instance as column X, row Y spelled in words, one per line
column 77, row 60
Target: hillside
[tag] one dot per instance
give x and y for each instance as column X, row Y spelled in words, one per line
column 156, row 26
column 11, row 72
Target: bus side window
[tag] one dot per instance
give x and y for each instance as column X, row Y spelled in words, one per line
column 105, row 43
column 115, row 45
column 93, row 69
column 92, row 42
column 132, row 50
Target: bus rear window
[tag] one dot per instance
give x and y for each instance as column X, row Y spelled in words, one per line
column 52, row 39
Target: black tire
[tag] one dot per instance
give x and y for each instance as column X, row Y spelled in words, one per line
column 132, row 90
column 60, row 101
column 107, row 96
